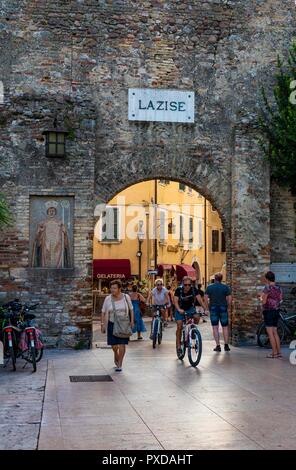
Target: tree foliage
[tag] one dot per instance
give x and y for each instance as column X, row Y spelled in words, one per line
column 5, row 215
column 277, row 123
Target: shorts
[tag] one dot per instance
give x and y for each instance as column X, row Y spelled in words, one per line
column 271, row 317
column 191, row 312
column 219, row 313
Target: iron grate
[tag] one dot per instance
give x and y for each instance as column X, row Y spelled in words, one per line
column 90, row 378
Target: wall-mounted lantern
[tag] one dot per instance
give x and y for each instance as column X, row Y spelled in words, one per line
column 55, row 141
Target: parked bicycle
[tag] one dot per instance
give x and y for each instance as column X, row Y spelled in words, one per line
column 286, row 330
column 21, row 339
column 157, row 325
column 192, row 341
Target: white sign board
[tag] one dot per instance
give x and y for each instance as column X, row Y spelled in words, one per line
column 151, row 104
column 284, row 272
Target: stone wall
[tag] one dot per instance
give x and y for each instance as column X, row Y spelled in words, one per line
column 76, row 61
column 283, row 225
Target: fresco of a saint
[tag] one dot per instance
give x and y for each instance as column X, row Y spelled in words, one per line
column 51, row 246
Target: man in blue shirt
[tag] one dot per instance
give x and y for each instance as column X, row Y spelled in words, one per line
column 219, row 296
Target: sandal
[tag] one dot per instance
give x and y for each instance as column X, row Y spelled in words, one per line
column 271, row 356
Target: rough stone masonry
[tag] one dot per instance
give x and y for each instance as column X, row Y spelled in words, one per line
column 74, row 60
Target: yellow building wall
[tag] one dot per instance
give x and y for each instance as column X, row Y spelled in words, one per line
column 188, row 203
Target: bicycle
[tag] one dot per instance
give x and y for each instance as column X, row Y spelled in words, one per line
column 157, row 325
column 9, row 339
column 32, row 348
column 20, row 338
column 192, row 340
column 286, row 330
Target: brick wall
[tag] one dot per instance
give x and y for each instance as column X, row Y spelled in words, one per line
column 76, row 61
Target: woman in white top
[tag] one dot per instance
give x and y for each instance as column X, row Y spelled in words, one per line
column 122, row 302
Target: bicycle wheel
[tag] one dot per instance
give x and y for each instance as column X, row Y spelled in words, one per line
column 38, row 355
column 9, row 352
column 154, row 332
column 160, row 333
column 182, row 351
column 194, row 346
column 262, row 336
column 32, row 356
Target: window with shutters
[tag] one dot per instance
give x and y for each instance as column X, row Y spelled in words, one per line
column 223, row 242
column 215, row 241
column 162, row 227
column 190, row 239
column 181, row 233
column 200, row 224
column 110, row 224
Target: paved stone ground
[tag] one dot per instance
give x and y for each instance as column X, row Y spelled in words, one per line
column 239, row 400
column 21, row 402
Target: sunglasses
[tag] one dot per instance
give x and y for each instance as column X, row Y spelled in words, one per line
column 187, row 284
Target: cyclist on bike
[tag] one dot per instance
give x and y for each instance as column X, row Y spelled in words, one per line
column 185, row 297
column 160, row 296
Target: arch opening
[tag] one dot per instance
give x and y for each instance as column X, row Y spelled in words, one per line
column 190, row 236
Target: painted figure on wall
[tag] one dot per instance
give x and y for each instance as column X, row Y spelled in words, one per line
column 51, row 246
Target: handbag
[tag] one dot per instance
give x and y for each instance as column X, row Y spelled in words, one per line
column 122, row 322
column 142, row 306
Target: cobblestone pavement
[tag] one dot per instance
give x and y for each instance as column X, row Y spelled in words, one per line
column 21, row 401
column 236, row 400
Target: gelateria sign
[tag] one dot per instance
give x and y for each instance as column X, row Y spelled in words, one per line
column 150, row 104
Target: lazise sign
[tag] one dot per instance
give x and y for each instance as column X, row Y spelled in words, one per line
column 150, row 104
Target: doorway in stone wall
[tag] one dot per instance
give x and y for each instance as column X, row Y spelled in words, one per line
column 156, row 228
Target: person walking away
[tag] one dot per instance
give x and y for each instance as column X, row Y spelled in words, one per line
column 199, row 309
column 219, row 297
column 171, row 304
column 121, row 303
column 271, row 298
column 185, row 297
column 136, row 298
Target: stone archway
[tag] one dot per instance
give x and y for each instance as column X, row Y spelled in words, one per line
column 222, row 187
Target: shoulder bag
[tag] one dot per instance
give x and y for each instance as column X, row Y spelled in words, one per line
column 122, row 321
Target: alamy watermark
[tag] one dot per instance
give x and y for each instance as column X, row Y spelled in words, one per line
column 292, row 97
column 1, row 92
column 182, row 223
column 293, row 353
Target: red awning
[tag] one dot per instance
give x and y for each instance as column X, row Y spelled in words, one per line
column 163, row 267
column 185, row 270
column 111, row 269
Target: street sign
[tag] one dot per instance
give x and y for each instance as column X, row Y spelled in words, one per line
column 152, row 271
column 284, row 272
column 151, row 104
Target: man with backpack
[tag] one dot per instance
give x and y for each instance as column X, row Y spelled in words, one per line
column 185, row 298
column 271, row 298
